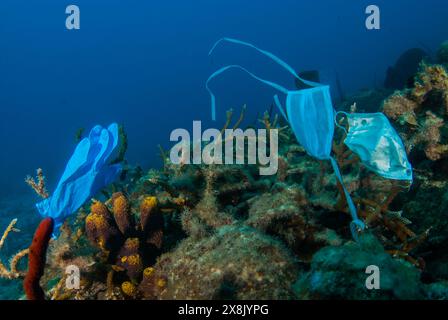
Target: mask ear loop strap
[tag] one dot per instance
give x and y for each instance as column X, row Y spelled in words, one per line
column 268, row 54
column 235, row 66
column 279, row 106
column 356, row 223
column 336, row 121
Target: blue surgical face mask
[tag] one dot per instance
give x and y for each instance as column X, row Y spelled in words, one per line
column 375, row 141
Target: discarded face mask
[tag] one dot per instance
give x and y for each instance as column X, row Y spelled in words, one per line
column 86, row 173
column 309, row 112
column 375, row 141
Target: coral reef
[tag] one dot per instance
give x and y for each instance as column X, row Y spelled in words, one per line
column 228, row 219
column 442, row 53
column 236, row 262
column 226, row 232
column 111, row 245
column 339, row 273
column 283, row 215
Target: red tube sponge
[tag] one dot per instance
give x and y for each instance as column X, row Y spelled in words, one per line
column 36, row 260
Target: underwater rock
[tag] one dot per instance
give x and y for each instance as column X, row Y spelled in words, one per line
column 235, row 263
column 442, row 53
column 437, row 290
column 365, row 100
column 402, row 73
column 427, row 207
column 282, row 214
column 340, row 273
column 208, row 232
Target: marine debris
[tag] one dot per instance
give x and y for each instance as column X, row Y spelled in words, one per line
column 86, row 173
column 420, row 113
column 226, row 231
column 442, row 54
column 402, row 73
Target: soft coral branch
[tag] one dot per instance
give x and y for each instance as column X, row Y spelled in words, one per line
column 39, row 186
column 13, row 272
